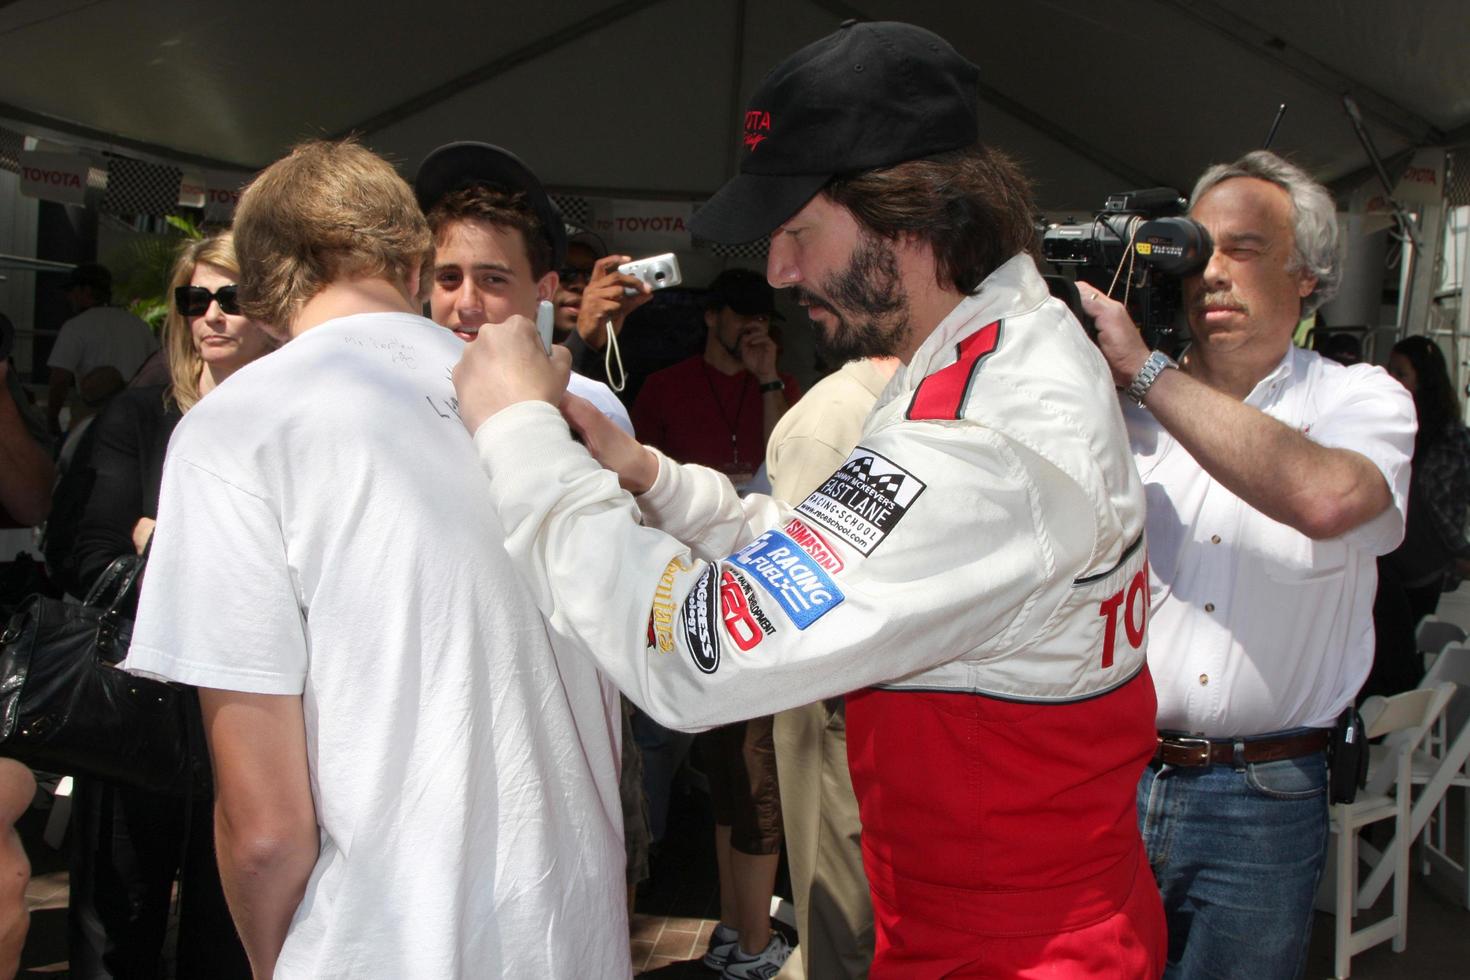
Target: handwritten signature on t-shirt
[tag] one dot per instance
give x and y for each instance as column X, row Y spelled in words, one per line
column 450, row 404
column 398, row 352
column 405, row 356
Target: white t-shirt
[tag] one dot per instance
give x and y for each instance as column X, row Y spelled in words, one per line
column 100, row 337
column 1256, row 628
column 325, row 529
column 602, row 398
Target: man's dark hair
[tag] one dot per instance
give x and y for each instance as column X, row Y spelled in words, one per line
column 503, row 209
column 972, row 206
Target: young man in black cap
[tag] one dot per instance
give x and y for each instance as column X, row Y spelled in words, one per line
column 498, row 243
column 974, row 572
column 499, row 247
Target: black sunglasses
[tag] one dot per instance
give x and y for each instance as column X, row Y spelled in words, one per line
column 195, row 300
column 570, row 274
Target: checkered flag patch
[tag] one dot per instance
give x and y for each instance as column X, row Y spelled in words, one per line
column 12, row 144
column 135, row 187
column 888, row 485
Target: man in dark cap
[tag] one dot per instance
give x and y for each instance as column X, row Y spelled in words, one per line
column 718, row 408
column 99, row 348
column 974, row 572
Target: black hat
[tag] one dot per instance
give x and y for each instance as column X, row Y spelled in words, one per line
column 870, row 95
column 454, row 166
column 744, row 292
column 95, row 277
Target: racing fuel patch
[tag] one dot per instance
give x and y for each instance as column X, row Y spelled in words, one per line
column 745, row 620
column 700, row 616
column 864, row 500
column 778, row 564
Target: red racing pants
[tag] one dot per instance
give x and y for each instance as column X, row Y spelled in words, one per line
column 1001, row 838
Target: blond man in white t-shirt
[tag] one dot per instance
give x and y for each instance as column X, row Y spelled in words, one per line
column 410, row 780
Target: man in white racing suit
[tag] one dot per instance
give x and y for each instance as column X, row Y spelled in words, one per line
column 975, row 571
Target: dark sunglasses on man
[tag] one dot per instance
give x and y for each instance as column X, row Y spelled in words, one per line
column 570, row 275
column 195, row 300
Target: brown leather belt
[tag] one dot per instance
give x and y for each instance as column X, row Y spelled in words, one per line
column 1182, row 750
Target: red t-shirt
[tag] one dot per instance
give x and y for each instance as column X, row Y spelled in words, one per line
column 691, row 410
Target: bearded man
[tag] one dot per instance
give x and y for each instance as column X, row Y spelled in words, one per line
column 974, row 572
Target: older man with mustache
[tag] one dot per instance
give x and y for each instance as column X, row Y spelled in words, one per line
column 1274, row 478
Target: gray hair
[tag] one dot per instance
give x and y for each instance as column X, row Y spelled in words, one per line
column 1313, row 217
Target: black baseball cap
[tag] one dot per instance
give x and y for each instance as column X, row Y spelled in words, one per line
column 744, row 292
column 869, row 95
column 454, row 166
column 89, row 274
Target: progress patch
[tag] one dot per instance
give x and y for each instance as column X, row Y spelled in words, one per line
column 700, row 616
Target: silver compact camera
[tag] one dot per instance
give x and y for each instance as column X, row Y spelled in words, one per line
column 658, row 271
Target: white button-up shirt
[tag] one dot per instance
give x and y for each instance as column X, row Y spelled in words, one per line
column 1255, row 627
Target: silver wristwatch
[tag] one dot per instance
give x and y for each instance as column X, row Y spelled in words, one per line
column 1148, row 374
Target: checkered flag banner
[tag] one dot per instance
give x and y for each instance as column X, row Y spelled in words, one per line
column 135, row 187
column 574, row 211
column 750, row 250
column 755, row 250
column 12, row 144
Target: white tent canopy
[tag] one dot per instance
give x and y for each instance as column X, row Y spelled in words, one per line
column 642, row 97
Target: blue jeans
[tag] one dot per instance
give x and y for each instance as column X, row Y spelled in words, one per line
column 1237, row 854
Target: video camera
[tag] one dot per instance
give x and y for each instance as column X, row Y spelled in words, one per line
column 1137, row 248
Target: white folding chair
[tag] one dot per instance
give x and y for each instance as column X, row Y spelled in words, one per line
column 1433, row 635
column 1440, row 764
column 1402, row 720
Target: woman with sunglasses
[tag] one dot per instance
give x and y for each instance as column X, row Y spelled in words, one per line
column 128, row 844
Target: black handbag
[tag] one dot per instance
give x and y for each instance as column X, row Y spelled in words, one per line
column 66, row 708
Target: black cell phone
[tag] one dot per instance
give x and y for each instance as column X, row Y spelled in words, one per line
column 1347, row 757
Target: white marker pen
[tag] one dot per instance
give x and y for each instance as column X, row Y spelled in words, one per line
column 545, row 316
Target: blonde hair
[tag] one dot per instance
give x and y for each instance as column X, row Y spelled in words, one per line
column 329, row 210
column 184, row 363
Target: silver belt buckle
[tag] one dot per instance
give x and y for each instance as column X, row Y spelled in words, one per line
column 1202, row 744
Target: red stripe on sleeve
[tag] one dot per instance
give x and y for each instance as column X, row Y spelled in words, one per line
column 942, row 394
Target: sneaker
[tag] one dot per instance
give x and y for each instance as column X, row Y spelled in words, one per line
column 763, row 965
column 722, row 943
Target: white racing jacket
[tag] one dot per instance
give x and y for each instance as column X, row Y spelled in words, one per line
column 986, row 536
